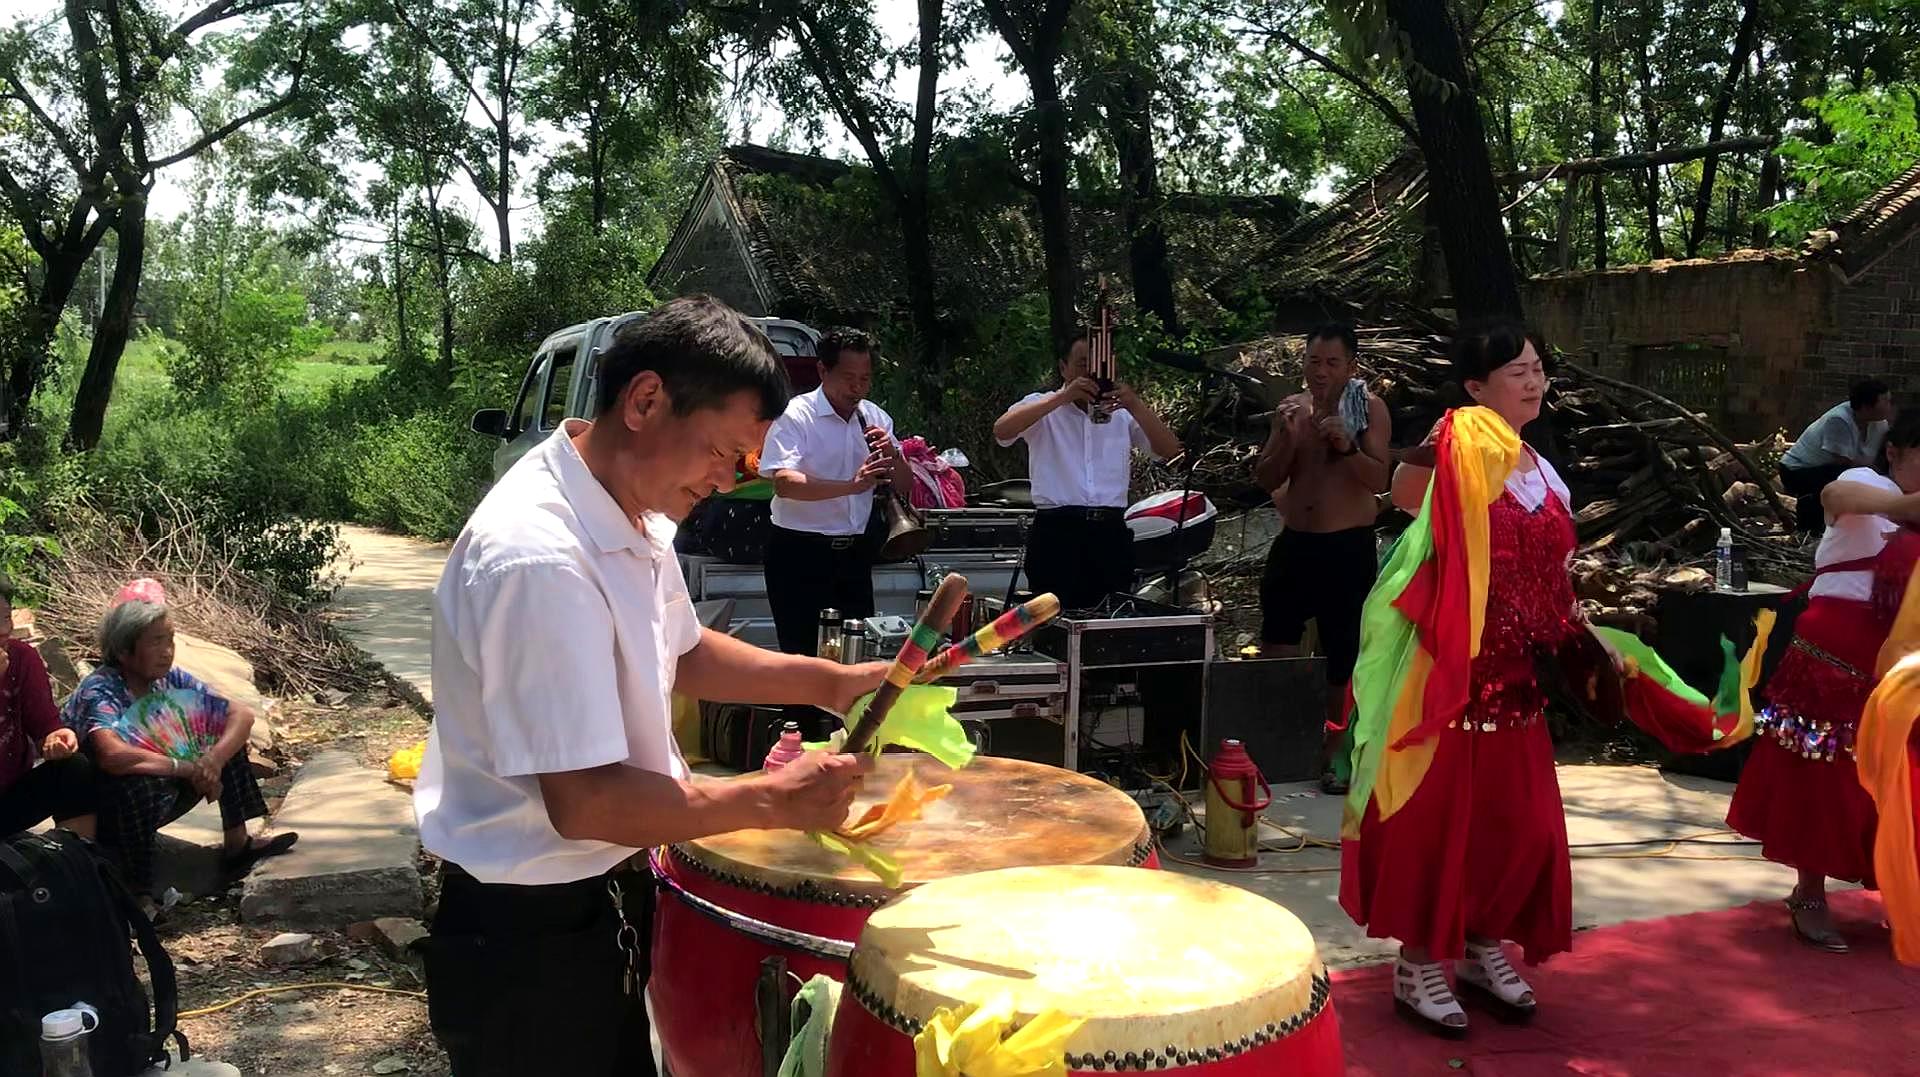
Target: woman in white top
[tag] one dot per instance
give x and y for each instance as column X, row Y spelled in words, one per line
column 1800, row 795
column 1080, row 548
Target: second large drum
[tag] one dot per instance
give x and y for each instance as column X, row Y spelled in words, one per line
column 736, row 899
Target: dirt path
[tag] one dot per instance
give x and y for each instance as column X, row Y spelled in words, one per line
column 386, row 606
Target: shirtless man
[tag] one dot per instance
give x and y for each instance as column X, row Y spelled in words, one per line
column 1323, row 563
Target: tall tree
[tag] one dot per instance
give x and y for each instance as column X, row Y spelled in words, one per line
column 1117, row 57
column 484, row 46
column 1599, row 45
column 836, row 45
column 1035, row 34
column 623, row 79
column 1463, row 203
column 91, row 96
column 1722, row 103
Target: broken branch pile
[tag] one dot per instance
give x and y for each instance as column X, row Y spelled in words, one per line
column 1653, row 482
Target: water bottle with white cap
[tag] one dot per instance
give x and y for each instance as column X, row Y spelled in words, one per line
column 63, row 1042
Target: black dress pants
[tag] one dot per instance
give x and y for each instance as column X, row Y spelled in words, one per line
column 807, row 573
column 1082, row 555
column 59, row 791
column 532, row 979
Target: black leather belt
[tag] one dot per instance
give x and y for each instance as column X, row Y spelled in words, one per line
column 1099, row 514
column 831, row 542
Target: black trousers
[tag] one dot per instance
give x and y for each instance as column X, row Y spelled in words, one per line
column 807, row 573
column 1805, row 484
column 59, row 791
column 532, row 979
column 133, row 808
column 1081, row 555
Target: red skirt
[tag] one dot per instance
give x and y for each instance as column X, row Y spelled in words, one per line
column 1808, row 811
column 1480, row 849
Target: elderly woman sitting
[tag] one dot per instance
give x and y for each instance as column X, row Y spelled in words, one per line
column 141, row 791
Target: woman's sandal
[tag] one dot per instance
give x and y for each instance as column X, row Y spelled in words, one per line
column 1421, row 994
column 1830, row 941
column 1488, row 972
column 239, row 864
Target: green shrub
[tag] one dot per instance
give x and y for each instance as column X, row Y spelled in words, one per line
column 421, row 474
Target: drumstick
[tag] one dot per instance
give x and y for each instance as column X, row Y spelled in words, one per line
column 1005, row 629
column 913, row 654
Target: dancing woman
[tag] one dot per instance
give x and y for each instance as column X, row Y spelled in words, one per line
column 1456, row 839
column 1800, row 795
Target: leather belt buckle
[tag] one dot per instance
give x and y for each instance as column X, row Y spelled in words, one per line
column 843, row 542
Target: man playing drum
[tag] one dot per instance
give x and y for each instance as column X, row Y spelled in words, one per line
column 562, row 625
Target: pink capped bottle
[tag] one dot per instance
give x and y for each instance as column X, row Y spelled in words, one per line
column 786, row 749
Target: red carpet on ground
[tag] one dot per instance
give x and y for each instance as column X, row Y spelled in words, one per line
column 1712, row 994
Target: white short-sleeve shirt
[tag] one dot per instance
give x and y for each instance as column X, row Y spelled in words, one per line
column 1850, row 538
column 1073, row 461
column 558, row 625
column 811, row 438
column 1835, row 438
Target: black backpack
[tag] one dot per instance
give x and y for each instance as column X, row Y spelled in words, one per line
column 64, row 919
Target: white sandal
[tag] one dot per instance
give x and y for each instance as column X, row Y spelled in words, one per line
column 1421, row 992
column 1487, row 970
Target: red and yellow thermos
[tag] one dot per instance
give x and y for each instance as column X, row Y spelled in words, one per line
column 1236, row 795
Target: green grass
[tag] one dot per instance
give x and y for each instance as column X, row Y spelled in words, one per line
column 310, row 377
column 347, row 352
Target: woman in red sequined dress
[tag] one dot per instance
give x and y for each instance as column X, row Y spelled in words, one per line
column 1799, row 795
column 1478, row 856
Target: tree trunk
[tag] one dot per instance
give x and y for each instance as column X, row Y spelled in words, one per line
column 1769, row 184
column 1464, row 206
column 116, row 324
column 1602, row 136
column 443, row 279
column 1737, row 66
column 1056, row 209
column 597, row 166
column 1650, row 111
column 1130, row 124
column 42, row 323
column 399, row 283
column 503, row 198
column 916, row 214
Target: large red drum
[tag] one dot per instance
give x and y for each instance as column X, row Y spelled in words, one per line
column 1171, row 974
column 734, row 900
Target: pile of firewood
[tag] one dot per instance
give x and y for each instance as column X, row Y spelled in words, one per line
column 1653, row 483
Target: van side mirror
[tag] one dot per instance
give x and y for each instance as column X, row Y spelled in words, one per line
column 492, row 422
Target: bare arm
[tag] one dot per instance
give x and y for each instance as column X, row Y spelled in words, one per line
column 1162, row 441
column 1275, row 464
column 1019, row 417
column 800, row 486
column 1410, row 486
column 728, row 670
column 1859, row 499
column 639, row 808
column 233, row 740
column 120, row 759
column 1370, row 463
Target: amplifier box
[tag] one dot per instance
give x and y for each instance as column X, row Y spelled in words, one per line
column 1127, row 631
column 1274, row 706
column 1009, row 686
column 977, row 529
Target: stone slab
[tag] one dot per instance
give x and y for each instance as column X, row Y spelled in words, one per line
column 356, row 856
column 224, row 670
column 194, row 1067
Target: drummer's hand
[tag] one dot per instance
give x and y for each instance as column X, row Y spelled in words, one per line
column 815, row 791
column 849, row 683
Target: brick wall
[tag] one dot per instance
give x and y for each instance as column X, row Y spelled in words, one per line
column 1874, row 331
column 1757, row 312
column 713, row 261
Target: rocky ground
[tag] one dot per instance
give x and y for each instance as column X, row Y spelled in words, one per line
column 324, row 1031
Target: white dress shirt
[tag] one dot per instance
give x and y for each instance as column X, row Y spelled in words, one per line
column 1850, row 538
column 558, row 626
column 1073, row 461
column 811, row 438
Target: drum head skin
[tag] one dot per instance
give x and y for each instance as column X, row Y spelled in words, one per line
column 1158, row 964
column 1001, row 813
